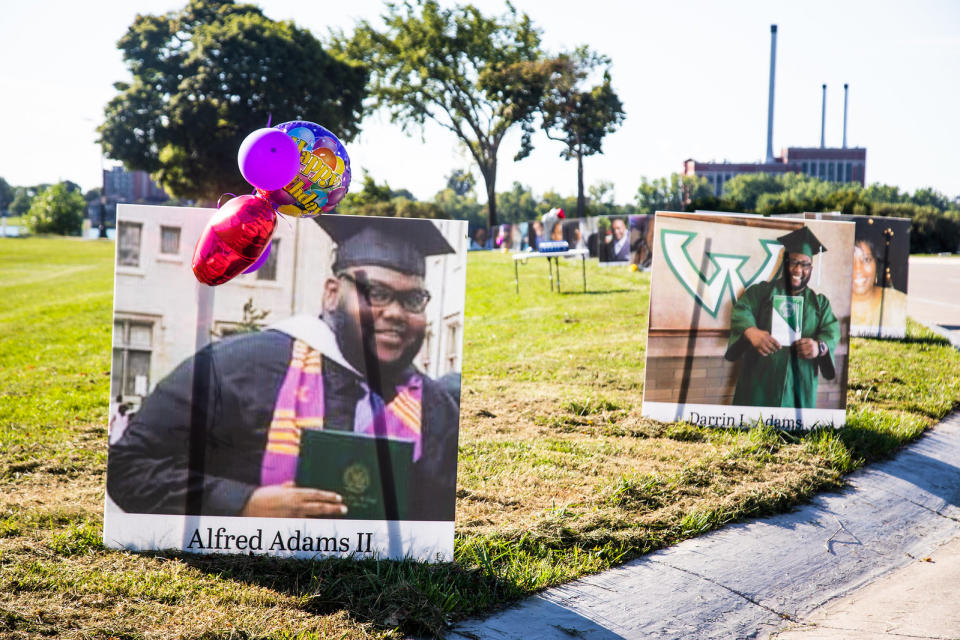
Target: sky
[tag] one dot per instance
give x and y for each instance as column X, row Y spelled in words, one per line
column 692, row 75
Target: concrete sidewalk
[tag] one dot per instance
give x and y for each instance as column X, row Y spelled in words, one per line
column 920, row 600
column 848, row 563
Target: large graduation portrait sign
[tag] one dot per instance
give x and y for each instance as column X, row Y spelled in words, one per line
column 309, row 408
column 881, row 255
column 749, row 320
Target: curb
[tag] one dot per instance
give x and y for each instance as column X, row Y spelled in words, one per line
column 747, row 580
column 952, row 336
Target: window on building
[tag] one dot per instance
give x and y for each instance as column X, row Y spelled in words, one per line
column 132, row 348
column 269, row 269
column 804, row 167
column 849, row 177
column 427, row 349
column 453, row 332
column 170, row 240
column 128, row 244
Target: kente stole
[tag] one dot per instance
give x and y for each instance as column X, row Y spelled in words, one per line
column 299, row 406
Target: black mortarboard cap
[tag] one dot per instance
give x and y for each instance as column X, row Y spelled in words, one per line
column 401, row 244
column 802, row 241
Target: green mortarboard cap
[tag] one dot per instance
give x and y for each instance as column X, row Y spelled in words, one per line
column 802, row 241
column 401, row 244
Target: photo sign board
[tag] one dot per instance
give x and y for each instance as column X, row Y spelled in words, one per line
column 749, row 320
column 881, row 255
column 309, row 408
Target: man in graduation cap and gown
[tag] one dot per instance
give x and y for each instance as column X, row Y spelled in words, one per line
column 781, row 375
column 221, row 434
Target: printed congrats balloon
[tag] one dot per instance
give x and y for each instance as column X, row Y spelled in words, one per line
column 324, row 175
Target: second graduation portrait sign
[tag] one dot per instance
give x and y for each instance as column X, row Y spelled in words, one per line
column 749, row 321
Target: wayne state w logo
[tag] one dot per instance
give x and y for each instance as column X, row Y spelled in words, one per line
column 726, row 277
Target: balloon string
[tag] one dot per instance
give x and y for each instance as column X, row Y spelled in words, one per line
column 269, row 118
column 283, row 217
column 221, row 198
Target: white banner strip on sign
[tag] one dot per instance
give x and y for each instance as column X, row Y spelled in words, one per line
column 281, row 537
column 717, row 415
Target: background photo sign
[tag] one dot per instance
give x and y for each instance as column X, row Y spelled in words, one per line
column 881, row 257
column 701, row 365
column 238, row 411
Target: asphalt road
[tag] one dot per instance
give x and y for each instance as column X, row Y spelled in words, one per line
column 933, row 292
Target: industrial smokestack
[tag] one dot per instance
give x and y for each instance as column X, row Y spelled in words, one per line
column 845, row 86
column 773, row 69
column 823, row 118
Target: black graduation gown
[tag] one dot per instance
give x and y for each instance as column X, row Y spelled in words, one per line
column 196, row 445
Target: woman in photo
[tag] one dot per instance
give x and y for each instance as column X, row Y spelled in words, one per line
column 876, row 305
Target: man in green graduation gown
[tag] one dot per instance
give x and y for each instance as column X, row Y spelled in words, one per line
column 784, row 375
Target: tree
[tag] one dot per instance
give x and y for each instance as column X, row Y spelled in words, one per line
column 697, row 193
column 23, row 197
column 462, row 182
column 6, row 195
column 930, row 197
column 580, row 118
column 553, row 200
column 372, row 193
column 253, row 322
column 518, row 204
column 56, row 209
column 473, row 75
column 660, row 194
column 741, row 192
column 676, row 193
column 21, row 202
column 207, row 76
column 460, row 207
column 878, row 192
column 601, row 200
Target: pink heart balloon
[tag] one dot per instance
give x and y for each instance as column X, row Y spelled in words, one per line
column 234, row 238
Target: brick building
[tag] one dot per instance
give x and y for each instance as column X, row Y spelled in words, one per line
column 827, row 163
column 127, row 187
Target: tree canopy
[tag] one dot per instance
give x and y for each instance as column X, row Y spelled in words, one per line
column 57, row 209
column 461, row 181
column 474, row 75
column 204, row 78
column 676, row 193
column 6, row 195
column 580, row 117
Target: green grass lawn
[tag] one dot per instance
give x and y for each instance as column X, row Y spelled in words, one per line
column 558, row 475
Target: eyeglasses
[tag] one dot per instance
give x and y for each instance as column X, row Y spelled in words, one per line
column 799, row 263
column 380, row 295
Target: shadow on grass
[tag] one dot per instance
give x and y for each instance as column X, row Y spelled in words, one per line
column 595, row 293
column 936, row 340
column 417, row 598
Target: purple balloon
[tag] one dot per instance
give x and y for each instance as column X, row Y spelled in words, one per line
column 263, row 258
column 269, row 159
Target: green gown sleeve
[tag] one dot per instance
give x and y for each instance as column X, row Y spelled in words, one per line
column 742, row 317
column 828, row 331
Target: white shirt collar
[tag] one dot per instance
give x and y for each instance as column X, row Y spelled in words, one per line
column 316, row 333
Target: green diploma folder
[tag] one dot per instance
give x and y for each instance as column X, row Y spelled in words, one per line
column 372, row 474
